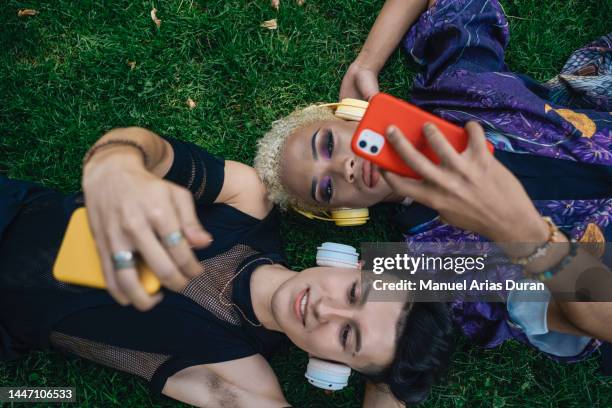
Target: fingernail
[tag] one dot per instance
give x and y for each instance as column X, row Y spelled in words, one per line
column 122, row 300
column 429, row 128
column 197, row 234
column 391, row 132
column 203, row 244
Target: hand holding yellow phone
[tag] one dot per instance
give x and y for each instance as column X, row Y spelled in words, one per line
column 78, row 261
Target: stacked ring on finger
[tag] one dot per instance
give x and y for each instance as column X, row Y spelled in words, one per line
column 173, row 239
column 123, row 260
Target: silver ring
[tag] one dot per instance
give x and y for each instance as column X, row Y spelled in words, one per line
column 123, row 260
column 173, row 239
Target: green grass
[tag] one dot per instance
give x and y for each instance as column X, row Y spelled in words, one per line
column 65, row 80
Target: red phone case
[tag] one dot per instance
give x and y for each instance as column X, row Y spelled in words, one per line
column 384, row 110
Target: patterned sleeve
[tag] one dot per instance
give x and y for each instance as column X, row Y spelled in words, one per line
column 459, row 34
column 197, row 170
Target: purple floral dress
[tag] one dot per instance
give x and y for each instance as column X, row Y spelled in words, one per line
column 460, row 44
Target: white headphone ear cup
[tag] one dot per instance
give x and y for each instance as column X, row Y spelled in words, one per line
column 336, row 263
column 337, row 255
column 327, row 375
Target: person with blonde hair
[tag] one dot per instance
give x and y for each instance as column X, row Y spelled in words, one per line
column 556, row 138
column 228, row 303
column 536, row 128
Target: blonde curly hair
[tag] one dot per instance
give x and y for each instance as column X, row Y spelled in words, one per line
column 270, row 150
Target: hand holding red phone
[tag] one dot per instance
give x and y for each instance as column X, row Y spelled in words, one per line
column 385, row 110
column 471, row 190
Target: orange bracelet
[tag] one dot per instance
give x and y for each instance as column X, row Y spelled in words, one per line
column 542, row 249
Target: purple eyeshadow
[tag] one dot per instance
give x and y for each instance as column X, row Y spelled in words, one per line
column 325, row 188
column 327, row 145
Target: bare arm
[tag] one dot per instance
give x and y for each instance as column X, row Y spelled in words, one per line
column 395, row 18
column 242, row 188
column 131, row 208
column 158, row 152
column 585, row 271
column 472, row 190
column 248, row 382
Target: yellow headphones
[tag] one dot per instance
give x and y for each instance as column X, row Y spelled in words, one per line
column 347, row 109
column 343, row 217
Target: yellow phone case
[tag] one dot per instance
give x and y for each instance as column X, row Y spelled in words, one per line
column 78, row 261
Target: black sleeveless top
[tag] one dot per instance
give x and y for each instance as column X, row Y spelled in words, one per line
column 210, row 321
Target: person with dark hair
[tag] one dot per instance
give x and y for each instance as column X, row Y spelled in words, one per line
column 234, row 301
column 206, row 344
column 475, row 192
column 554, row 137
column 422, row 355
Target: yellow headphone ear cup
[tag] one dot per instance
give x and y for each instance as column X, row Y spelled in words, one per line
column 344, row 217
column 357, row 103
column 350, row 217
column 351, row 109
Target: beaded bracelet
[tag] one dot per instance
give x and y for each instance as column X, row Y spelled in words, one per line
column 542, row 249
column 550, row 273
column 124, row 142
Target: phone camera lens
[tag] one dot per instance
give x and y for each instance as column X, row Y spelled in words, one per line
column 363, row 144
column 374, row 149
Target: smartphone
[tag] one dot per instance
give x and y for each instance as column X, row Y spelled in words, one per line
column 78, row 261
column 384, row 110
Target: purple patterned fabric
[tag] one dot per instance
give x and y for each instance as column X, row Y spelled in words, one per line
column 460, row 44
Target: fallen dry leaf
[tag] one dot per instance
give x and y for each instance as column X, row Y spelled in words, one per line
column 132, row 64
column 156, row 20
column 275, row 4
column 270, row 24
column 27, row 13
column 299, row 2
column 191, row 103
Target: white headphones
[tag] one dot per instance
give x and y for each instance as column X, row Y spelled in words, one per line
column 321, row 373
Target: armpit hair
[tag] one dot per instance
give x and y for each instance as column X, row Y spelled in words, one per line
column 223, row 394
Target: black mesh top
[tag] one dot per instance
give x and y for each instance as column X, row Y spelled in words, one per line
column 208, row 322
